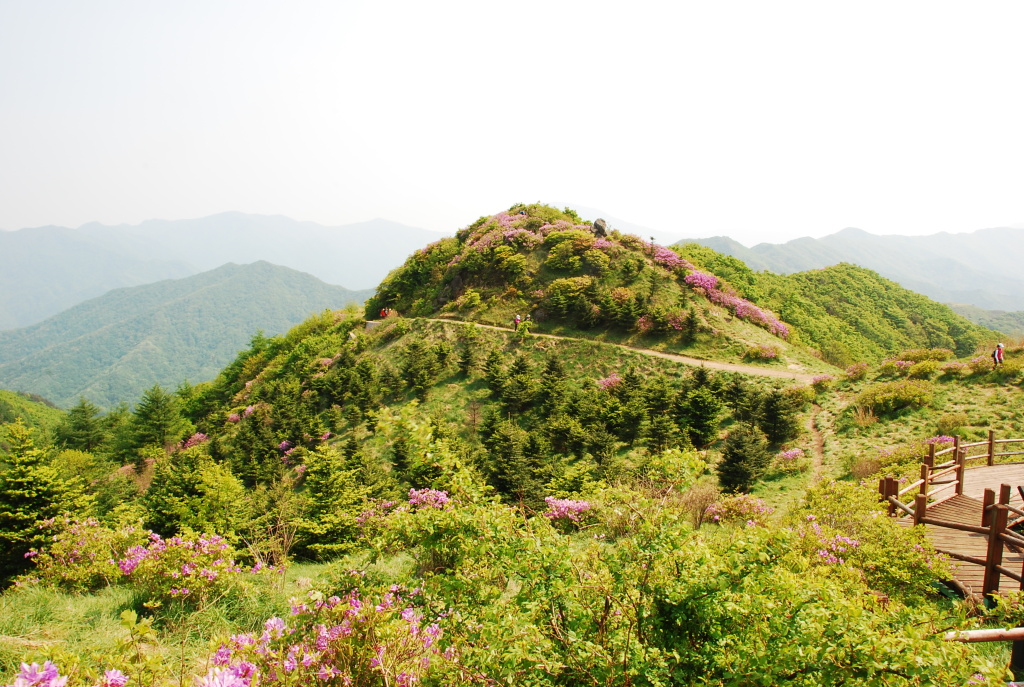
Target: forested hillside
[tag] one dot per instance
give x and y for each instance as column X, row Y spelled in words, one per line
column 849, row 313
column 113, row 347
column 449, row 503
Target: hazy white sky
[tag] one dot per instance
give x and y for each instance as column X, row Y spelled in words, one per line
column 763, row 121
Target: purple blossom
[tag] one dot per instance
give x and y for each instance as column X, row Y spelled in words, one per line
column 284, row 445
column 35, row 676
column 195, row 440
column 565, row 509
column 941, row 439
column 428, row 498
column 234, row 417
column 249, row 410
column 701, row 280
column 113, row 678
column 610, row 382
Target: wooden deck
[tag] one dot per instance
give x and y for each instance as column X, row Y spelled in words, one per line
column 966, row 509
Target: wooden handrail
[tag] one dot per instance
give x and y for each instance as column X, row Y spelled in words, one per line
column 1010, row 634
column 913, row 485
column 977, row 529
column 896, row 502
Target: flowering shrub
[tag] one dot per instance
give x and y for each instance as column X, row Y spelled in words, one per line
column 81, row 556
column 701, row 280
column 428, row 498
column 644, row 324
column 666, row 257
column 190, row 570
column 982, row 363
column 790, row 461
column 743, row 507
column 953, row 368
column 822, row 382
column 337, row 641
column 194, row 440
column 762, row 352
column 857, row 371
column 940, row 440
column 610, row 382
column 565, row 509
column 742, row 308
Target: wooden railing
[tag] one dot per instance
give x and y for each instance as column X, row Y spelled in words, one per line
column 938, row 477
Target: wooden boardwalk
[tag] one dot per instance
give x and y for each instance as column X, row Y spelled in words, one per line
column 966, row 509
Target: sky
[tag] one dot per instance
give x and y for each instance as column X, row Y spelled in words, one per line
column 763, row 121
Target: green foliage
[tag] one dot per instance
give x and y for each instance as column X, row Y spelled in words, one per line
column 887, row 397
column 334, row 499
column 745, row 458
column 31, row 493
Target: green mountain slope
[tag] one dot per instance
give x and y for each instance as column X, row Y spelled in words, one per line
column 849, row 313
column 980, row 268
column 33, row 411
column 111, row 348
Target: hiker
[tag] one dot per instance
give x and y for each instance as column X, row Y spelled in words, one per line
column 383, row 313
column 997, row 356
column 517, row 321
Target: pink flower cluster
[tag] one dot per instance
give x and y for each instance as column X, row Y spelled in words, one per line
column 666, row 257
column 741, row 507
column 701, row 280
column 610, row 382
column 338, row 640
column 790, row 456
column 194, row 440
column 35, row 676
column 566, row 509
column 428, row 498
column 857, row 370
column 940, row 439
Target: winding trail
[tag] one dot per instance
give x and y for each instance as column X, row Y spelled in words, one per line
column 818, row 456
column 684, row 359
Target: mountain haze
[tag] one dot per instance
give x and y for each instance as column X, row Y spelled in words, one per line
column 980, row 268
column 46, row 270
column 112, row 348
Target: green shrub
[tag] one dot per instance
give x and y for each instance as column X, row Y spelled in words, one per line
column 887, row 397
column 952, row 423
column 926, row 369
column 917, row 355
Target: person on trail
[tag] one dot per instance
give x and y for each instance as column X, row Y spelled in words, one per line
column 518, row 320
column 997, row 356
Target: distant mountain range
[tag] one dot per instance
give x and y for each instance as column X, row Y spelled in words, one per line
column 110, row 349
column 981, row 268
column 46, row 270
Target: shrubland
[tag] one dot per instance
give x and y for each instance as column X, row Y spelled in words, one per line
column 441, row 502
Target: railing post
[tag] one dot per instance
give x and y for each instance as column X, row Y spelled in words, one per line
column 920, row 508
column 892, row 488
column 986, row 507
column 961, row 465
column 991, row 447
column 994, row 555
column 930, row 460
column 925, row 479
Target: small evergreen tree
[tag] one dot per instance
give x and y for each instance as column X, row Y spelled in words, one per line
column 82, row 428
column 744, row 458
column 31, row 492
column 702, row 410
column 778, row 418
column 334, row 499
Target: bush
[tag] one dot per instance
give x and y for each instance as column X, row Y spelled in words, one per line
column 952, row 423
column 83, row 555
column 762, row 352
column 926, row 369
column 742, row 508
column 887, row 397
column 918, row 355
column 857, row 371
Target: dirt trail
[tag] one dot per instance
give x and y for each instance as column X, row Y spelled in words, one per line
column 819, row 444
column 685, row 360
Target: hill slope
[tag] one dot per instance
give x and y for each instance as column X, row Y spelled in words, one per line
column 111, row 348
column 567, row 277
column 979, row 268
column 46, row 270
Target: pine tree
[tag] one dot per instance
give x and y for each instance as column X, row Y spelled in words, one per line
column 31, row 492
column 778, row 420
column 82, row 429
column 744, row 458
column 701, row 411
column 157, row 420
column 335, row 498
